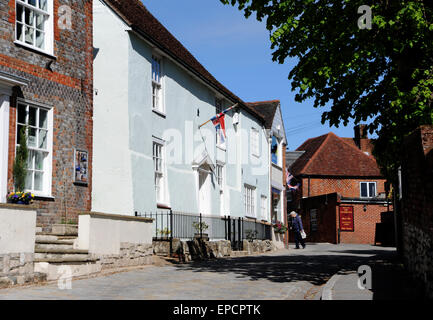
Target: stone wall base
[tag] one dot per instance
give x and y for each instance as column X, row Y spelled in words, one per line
column 418, row 255
column 18, row 268
column 202, row 250
column 130, row 255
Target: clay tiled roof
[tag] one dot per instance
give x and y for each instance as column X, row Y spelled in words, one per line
column 140, row 20
column 267, row 109
column 330, row 155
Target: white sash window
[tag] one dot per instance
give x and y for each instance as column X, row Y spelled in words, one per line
column 34, row 24
column 157, row 89
column 38, row 124
column 250, row 201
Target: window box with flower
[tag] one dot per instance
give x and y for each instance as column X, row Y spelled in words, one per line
column 21, row 198
column 279, row 227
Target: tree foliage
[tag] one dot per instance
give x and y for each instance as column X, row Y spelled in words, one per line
column 383, row 74
column 20, row 162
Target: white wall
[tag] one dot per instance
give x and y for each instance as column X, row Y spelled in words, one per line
column 111, row 185
column 125, row 125
column 102, row 234
column 17, row 230
column 4, row 136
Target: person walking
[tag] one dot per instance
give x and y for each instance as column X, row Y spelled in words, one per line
column 297, row 229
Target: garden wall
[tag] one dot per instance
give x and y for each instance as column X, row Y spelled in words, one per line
column 116, row 240
column 201, row 250
column 17, row 244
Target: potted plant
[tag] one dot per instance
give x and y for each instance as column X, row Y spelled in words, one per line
column 200, row 227
column 165, row 233
column 279, row 227
column 20, row 173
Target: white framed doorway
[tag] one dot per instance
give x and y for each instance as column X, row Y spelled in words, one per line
column 4, row 145
column 205, row 187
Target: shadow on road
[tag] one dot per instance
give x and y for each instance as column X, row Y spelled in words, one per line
column 315, row 268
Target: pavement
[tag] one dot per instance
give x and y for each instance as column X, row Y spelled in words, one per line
column 382, row 278
column 320, row 271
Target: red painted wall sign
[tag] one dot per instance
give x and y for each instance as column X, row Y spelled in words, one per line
column 346, row 219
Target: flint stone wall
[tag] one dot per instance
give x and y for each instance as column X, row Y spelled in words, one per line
column 202, row 250
column 418, row 248
column 131, row 254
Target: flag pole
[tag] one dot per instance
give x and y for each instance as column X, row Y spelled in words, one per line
column 227, row 110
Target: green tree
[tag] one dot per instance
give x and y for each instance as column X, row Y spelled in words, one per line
column 20, row 163
column 383, row 75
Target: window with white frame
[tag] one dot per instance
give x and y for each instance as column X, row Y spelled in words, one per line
column 219, row 175
column 218, row 106
column 34, row 26
column 159, row 169
column 157, row 100
column 264, row 207
column 250, row 201
column 254, row 139
column 37, row 125
column 368, row 189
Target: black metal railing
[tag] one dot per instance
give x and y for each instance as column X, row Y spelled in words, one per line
column 168, row 225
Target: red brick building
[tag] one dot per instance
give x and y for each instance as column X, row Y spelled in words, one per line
column 342, row 195
column 46, row 75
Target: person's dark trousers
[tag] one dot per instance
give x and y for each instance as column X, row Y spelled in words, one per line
column 298, row 239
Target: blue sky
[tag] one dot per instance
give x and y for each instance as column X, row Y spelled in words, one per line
column 237, row 53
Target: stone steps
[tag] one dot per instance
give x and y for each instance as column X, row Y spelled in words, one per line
column 67, row 259
column 53, row 245
column 59, row 253
column 56, row 257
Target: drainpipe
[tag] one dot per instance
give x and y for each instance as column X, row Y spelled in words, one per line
column 270, row 175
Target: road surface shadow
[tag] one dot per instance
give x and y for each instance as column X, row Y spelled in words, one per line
column 315, row 269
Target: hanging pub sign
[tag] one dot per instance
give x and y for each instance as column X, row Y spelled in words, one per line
column 347, row 219
column 81, row 161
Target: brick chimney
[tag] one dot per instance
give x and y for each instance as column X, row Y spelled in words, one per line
column 361, row 139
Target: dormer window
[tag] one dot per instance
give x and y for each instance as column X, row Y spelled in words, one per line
column 34, row 26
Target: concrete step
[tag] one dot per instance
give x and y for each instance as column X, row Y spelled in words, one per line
column 44, row 236
column 55, row 253
column 41, row 236
column 62, row 251
column 67, row 237
column 53, row 245
column 59, row 256
column 67, row 259
column 67, row 270
column 64, row 229
column 70, row 241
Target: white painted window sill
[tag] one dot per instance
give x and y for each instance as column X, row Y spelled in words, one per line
column 36, row 49
column 160, row 113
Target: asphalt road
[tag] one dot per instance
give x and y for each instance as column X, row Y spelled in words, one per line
column 283, row 275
